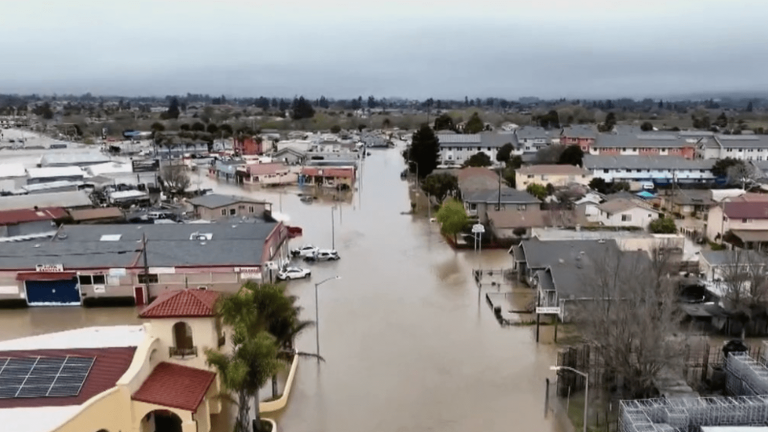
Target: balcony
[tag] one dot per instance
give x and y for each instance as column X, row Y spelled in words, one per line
column 182, row 352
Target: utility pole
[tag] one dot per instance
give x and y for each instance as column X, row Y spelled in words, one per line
column 146, row 265
column 333, row 229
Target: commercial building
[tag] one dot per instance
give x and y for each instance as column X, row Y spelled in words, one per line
column 47, row 175
column 74, row 200
column 72, row 159
column 340, row 177
column 270, row 174
column 131, row 264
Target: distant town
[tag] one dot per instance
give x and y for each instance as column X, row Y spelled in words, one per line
column 200, row 249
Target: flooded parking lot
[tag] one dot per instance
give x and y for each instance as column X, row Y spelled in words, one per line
column 408, row 343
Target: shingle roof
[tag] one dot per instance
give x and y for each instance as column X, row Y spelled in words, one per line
column 552, row 169
column 213, row 201
column 742, row 141
column 186, row 303
column 175, row 386
column 97, row 213
column 508, row 196
column 533, row 132
column 579, row 131
column 746, row 210
column 643, row 140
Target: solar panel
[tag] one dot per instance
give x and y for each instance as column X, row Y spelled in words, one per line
column 22, row 377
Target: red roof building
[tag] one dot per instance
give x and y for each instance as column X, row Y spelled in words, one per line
column 175, row 386
column 13, row 217
column 747, row 210
column 189, row 303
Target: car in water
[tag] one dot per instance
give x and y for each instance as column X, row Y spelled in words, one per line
column 304, row 251
column 324, row 255
column 290, row 273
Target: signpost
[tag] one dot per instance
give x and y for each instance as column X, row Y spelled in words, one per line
column 548, row 310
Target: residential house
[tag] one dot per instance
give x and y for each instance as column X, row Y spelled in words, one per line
column 226, row 170
column 623, row 212
column 48, row 175
column 588, row 205
column 689, row 202
column 288, row 155
column 248, row 146
column 217, row 206
column 339, row 177
column 745, row 217
column 513, row 224
column 743, row 147
column 562, row 271
column 456, row 149
column 478, row 203
column 531, row 139
column 473, row 179
column 656, row 169
column 716, row 266
column 556, row 175
column 149, row 377
column 17, row 225
column 131, row 264
column 583, row 136
column 270, row 174
column 644, row 144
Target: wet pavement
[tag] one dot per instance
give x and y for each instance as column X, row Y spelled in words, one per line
column 408, row 343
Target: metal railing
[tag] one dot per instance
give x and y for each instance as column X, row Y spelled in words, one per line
column 182, row 352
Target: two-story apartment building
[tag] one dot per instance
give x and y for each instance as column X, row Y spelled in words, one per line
column 556, row 175
column 531, row 139
column 644, row 144
column 743, row 147
column 456, row 149
column 657, row 169
column 745, row 217
column 583, row 136
column 477, row 203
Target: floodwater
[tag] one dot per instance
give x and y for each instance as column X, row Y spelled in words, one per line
column 408, row 343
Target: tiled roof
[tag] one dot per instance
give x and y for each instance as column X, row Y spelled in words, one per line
column 175, row 386
column 10, row 217
column 110, row 364
column 184, row 303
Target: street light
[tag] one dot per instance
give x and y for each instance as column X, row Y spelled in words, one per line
column 586, row 388
column 317, row 314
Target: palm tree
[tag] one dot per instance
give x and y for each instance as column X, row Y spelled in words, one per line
column 254, row 358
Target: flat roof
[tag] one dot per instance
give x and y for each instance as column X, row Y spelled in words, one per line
column 86, row 337
column 68, row 199
column 67, row 171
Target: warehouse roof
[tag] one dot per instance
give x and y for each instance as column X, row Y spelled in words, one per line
column 64, row 159
column 65, row 171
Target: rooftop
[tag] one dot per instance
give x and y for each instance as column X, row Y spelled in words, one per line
column 593, row 162
column 65, row 171
column 579, row 131
column 12, row 170
column 90, row 158
column 620, row 205
column 534, row 132
column 95, row 214
column 507, row 219
column 10, row 217
column 70, row 199
column 742, row 141
column 182, row 304
column 266, row 168
column 552, row 170
column 507, row 196
column 746, row 209
column 175, row 386
column 218, row 200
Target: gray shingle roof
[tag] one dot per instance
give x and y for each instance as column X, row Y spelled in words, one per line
column 646, row 162
column 580, row 131
column 534, row 132
column 742, row 141
column 642, row 140
column 484, row 139
column 508, row 196
column 217, row 200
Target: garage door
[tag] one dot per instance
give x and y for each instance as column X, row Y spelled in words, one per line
column 53, row 293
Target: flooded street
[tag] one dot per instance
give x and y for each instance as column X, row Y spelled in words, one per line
column 408, row 343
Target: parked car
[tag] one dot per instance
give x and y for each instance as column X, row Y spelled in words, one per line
column 293, row 273
column 304, row 251
column 323, row 255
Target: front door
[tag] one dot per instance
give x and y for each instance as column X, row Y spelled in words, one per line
column 138, row 294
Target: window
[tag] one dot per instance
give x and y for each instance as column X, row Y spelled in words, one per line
column 232, row 212
column 530, row 176
column 223, row 212
column 745, row 221
column 85, row 279
column 147, row 278
column 99, row 280
column 250, row 209
column 183, row 345
column 605, row 171
column 544, row 177
column 626, row 218
column 521, row 207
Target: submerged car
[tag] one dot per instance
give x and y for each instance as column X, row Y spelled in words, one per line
column 293, row 273
column 304, row 251
column 324, row 255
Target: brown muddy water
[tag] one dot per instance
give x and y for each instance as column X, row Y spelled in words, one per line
column 408, row 343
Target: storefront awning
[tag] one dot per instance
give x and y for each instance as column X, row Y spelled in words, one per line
column 45, row 276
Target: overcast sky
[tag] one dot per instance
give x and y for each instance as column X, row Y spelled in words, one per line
column 407, row 48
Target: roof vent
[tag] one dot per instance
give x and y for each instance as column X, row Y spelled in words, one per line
column 62, row 236
column 110, row 237
column 562, row 261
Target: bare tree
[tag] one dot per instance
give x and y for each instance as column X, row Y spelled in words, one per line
column 632, row 318
column 744, row 286
column 742, row 173
column 174, row 178
column 550, row 154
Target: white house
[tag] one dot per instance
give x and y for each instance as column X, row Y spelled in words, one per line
column 624, row 212
column 657, row 169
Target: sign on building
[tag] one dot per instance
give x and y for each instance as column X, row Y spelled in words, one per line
column 147, row 165
column 49, row 268
column 548, row 310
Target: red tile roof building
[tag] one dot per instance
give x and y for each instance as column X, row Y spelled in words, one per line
column 190, row 303
column 175, row 386
column 747, row 210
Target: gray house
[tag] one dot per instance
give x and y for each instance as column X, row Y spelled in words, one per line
column 478, row 202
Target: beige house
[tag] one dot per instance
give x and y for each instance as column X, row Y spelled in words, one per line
column 624, row 212
column 126, row 378
column 745, row 217
column 556, row 175
column 216, row 206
